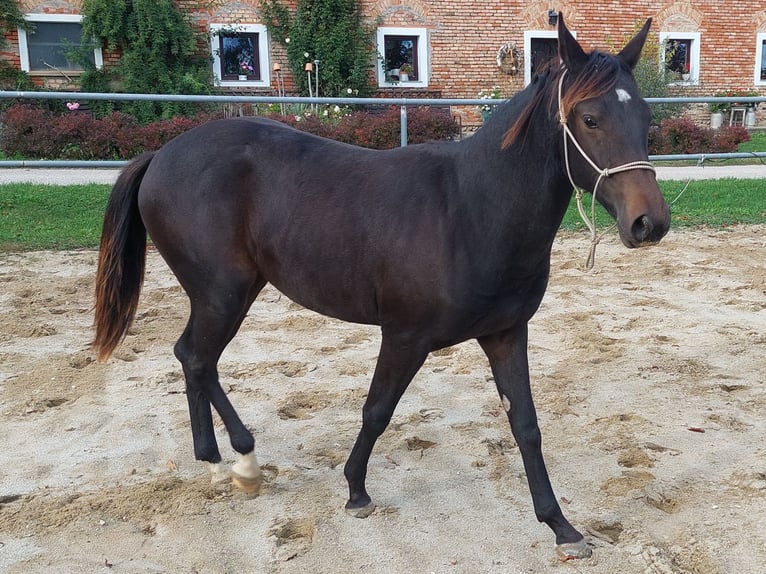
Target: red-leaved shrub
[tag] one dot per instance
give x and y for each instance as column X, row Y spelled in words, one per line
column 682, row 136
column 380, row 129
column 33, row 133
column 30, row 132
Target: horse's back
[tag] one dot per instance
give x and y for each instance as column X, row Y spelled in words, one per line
column 326, row 223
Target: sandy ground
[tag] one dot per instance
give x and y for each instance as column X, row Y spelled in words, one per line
column 649, row 376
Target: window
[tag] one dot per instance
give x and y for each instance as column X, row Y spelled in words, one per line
column 540, row 48
column 760, row 59
column 240, row 55
column 681, row 55
column 404, row 57
column 678, row 57
column 47, row 45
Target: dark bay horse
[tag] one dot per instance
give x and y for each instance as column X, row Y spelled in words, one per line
column 436, row 243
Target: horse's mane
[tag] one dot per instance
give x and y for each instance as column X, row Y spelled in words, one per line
column 597, row 77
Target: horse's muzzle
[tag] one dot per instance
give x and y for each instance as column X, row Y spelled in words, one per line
column 647, row 230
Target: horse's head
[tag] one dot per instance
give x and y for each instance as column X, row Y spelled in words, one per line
column 606, row 124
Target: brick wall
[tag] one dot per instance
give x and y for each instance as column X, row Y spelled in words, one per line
column 464, row 36
column 11, row 53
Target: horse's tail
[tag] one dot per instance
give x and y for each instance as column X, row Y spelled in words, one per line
column 121, row 260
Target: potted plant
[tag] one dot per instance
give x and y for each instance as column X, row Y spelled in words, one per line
column 724, row 108
column 404, row 72
column 717, row 111
column 245, row 68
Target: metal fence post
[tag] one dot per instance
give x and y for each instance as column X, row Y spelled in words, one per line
column 403, row 114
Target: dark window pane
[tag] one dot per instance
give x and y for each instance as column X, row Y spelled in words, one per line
column 239, row 56
column 401, row 51
column 544, row 53
column 49, row 43
column 677, row 56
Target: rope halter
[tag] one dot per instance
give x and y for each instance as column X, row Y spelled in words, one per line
column 590, row 221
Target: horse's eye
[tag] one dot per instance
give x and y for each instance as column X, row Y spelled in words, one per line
column 590, row 121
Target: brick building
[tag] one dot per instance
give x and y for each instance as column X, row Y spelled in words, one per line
column 456, row 48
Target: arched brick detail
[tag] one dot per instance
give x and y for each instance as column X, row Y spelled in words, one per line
column 246, row 11
column 396, row 12
column 51, row 6
column 679, row 17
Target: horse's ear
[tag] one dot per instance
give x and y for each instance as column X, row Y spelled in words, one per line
column 570, row 52
column 631, row 53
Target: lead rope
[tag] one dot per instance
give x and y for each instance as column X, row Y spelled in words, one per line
column 590, row 222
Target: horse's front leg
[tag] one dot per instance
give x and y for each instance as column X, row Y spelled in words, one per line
column 507, row 353
column 398, row 361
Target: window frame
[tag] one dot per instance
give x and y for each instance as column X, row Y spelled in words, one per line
column 53, row 19
column 421, row 56
column 760, row 54
column 694, row 56
column 529, row 35
column 262, row 58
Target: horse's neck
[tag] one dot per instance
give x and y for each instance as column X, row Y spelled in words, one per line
column 525, row 186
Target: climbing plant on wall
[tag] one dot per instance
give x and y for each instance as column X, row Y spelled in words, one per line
column 11, row 77
column 11, row 17
column 159, row 53
column 331, row 31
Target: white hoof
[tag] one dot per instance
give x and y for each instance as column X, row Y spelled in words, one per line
column 362, row 512
column 218, row 472
column 246, row 474
column 572, row 550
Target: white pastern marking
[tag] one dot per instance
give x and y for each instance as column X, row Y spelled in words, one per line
column 247, row 466
column 218, row 472
column 623, row 95
column 506, row 404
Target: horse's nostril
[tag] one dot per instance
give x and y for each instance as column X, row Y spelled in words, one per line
column 642, row 229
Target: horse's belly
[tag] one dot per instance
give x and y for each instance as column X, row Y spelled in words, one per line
column 354, row 303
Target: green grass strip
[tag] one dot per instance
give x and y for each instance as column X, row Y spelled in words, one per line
column 705, row 202
column 36, row 217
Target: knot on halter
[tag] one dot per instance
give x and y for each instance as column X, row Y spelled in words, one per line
column 590, row 222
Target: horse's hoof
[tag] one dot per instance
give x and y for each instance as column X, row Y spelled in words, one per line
column 362, row 512
column 246, row 474
column 218, row 474
column 250, row 485
column 572, row 550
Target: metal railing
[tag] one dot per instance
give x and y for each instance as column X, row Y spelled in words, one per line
column 403, row 104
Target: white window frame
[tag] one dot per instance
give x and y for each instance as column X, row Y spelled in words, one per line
column 424, row 68
column 694, row 57
column 759, row 54
column 529, row 35
column 263, row 54
column 63, row 18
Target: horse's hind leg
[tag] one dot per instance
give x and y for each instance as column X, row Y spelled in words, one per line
column 398, row 362
column 217, row 311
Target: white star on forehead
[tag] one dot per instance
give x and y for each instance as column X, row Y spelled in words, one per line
column 623, row 95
